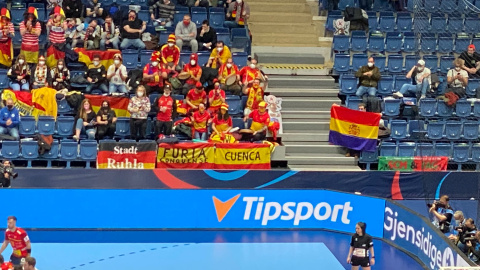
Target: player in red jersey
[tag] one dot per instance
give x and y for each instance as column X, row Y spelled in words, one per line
column 19, row 241
column 5, row 265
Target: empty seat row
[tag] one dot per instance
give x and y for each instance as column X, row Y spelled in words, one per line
column 430, row 107
column 434, row 130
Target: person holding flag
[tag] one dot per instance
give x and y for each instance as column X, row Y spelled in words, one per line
column 7, row 32
column 30, row 29
column 19, row 241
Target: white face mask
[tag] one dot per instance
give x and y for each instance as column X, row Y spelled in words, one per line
column 219, row 49
column 117, row 62
column 170, row 44
column 193, row 62
column 239, row 1
column 252, row 66
column 165, row 94
column 21, row 61
column 96, row 63
column 370, row 64
column 420, row 69
column 60, row 67
column 229, row 65
column 140, row 94
column 154, row 63
column 41, row 63
column 457, row 68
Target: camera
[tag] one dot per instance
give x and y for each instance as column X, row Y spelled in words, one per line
column 437, row 204
column 9, row 170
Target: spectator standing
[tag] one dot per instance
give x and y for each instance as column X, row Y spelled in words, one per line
column 7, row 32
column 96, row 76
column 117, row 75
column 30, row 30
column 219, row 56
column 110, row 35
column 139, row 107
column 472, row 61
column 132, row 31
column 72, row 8
column 237, row 14
column 206, row 36
column 422, row 77
column 222, row 122
column 195, row 97
column 170, row 52
column 165, row 10
column 260, row 120
column 94, row 11
column 71, row 32
column 57, row 26
column 166, row 107
column 369, row 76
column 216, row 97
column 226, row 70
column 457, row 78
column 60, row 76
column 40, row 74
column 19, row 74
column 200, row 120
column 154, row 74
column 185, row 32
column 9, row 120
column 106, row 121
column 195, row 73
column 85, row 121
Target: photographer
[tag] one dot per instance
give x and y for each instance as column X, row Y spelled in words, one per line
column 6, row 174
column 442, row 213
column 465, row 232
column 474, row 248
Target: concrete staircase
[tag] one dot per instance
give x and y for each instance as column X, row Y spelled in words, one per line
column 306, row 119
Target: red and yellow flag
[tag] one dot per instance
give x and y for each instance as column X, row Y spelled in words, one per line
column 118, row 104
column 106, row 57
column 122, row 155
column 186, row 156
column 41, row 101
column 242, row 156
column 53, row 55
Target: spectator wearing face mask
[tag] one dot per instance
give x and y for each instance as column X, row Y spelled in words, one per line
column 369, row 76
column 250, row 73
column 40, row 74
column 117, row 76
column 216, row 97
column 154, row 74
column 106, row 121
column 457, row 78
column 472, row 61
column 206, row 36
column 226, row 70
column 132, row 31
column 165, row 10
column 139, row 107
column 186, row 32
column 9, row 120
column 195, row 72
column 19, row 75
column 421, row 75
column 96, row 76
column 166, row 108
column 237, row 14
column 60, row 76
column 170, row 52
column 219, row 56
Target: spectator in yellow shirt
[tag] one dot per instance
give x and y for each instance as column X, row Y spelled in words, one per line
column 219, row 56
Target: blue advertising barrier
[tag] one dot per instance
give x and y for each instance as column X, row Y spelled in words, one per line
column 193, row 209
column 417, row 235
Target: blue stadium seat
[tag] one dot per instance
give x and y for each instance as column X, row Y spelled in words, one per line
column 123, row 2
column 46, row 125
column 41, row 12
column 453, row 130
column 448, row 6
column 225, row 37
column 51, row 154
column 17, row 39
column 476, row 41
column 217, row 19
column 238, row 32
column 63, row 107
column 461, row 43
column 142, row 3
column 470, row 131
column 445, row 44
column 198, row 18
column 386, row 23
column 410, row 42
column 404, row 21
column 163, row 38
column 372, row 20
column 341, row 63
column 460, row 154
column 399, row 129
column 342, row 4
column 234, row 105
column 198, row 10
column 330, row 18
column 359, row 41
column 472, row 25
column 431, row 62
column 178, row 16
column 203, row 58
column 400, row 80
column 240, row 42
column 443, row 110
column 27, row 126
column 380, row 62
column 17, row 15
column 68, row 151
column 472, row 86
column 178, row 97
column 388, row 149
column 443, row 150
column 406, row 149
column 424, row 150
column 30, row 151
column 432, row 6
column 446, row 63
column 10, row 149
column 130, row 59
column 348, row 85
column 410, row 61
column 88, row 151
column 359, row 60
column 3, row 79
column 455, row 24
column 392, row 107
column 376, row 43
column 145, row 56
column 464, row 6
column 463, row 108
column 368, row 158
column 476, row 155
column 393, row 42
column 222, row 30
column 428, row 44
column 352, row 102
column 435, row 130
column 65, row 126
column 238, row 122
column 428, row 107
column 122, row 128
column 385, row 85
column 476, row 109
column 395, row 63
column 439, row 24
column 341, row 43
column 421, row 24
column 240, row 59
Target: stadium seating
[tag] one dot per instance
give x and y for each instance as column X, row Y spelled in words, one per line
column 393, row 42
column 392, row 107
column 435, row 130
column 385, row 85
column 46, row 125
column 470, row 131
column 10, row 149
column 388, row 149
column 341, row 63
column 130, row 59
column 453, row 130
column 463, row 108
column 27, row 127
column 369, row 157
column 424, row 150
column 380, row 62
column 395, row 63
column 376, row 43
column 68, row 151
column 460, row 154
column 52, row 154
column 341, row 43
column 30, row 151
column 406, row 149
column 122, row 130
column 399, row 129
column 88, row 151
column 348, row 85
column 404, row 22
column 359, row 60
column 65, row 126
column 359, row 41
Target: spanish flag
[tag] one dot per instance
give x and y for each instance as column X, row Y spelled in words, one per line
column 118, row 104
column 106, row 57
column 239, row 156
column 39, row 102
column 353, row 129
column 53, row 55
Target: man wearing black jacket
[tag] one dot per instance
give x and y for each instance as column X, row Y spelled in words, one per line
column 96, row 76
column 206, row 37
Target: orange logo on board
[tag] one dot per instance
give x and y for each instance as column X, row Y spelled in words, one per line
column 222, row 208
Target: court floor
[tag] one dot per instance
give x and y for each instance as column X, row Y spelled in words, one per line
column 213, row 250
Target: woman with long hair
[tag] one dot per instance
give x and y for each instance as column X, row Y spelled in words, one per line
column 60, row 76
column 139, row 107
column 361, row 247
column 19, row 74
column 222, row 122
column 106, row 121
column 85, row 121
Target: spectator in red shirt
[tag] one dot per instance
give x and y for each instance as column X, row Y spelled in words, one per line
column 5, row 265
column 215, row 98
column 166, row 107
column 170, row 52
column 19, row 241
column 154, row 74
column 195, row 71
column 222, row 122
column 200, row 120
column 260, row 121
column 195, row 97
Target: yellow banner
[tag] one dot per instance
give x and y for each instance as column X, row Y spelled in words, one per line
column 242, row 156
column 186, row 156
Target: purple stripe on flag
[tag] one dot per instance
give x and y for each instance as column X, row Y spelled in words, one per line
column 351, row 142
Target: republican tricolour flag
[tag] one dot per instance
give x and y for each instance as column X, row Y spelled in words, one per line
column 353, row 129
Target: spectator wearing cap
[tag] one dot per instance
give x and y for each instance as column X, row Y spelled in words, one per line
column 260, row 120
column 6, row 35
column 165, row 9
column 195, row 73
column 186, row 32
column 110, row 35
column 30, row 30
column 170, row 52
column 117, row 75
column 166, row 108
column 40, row 74
column 369, row 76
column 154, row 74
column 195, row 97
column 219, row 56
column 96, row 76
column 472, row 61
column 422, row 76
column 206, row 36
column 57, row 26
column 132, row 31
